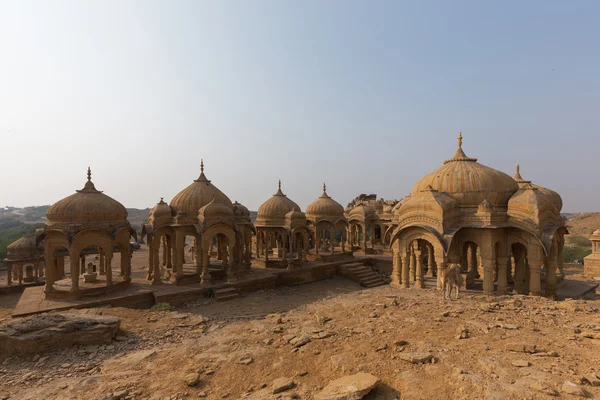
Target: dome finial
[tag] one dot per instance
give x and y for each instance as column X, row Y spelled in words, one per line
column 279, row 185
column 324, row 187
column 460, row 155
column 460, row 139
column 89, row 185
column 201, row 165
column 89, row 174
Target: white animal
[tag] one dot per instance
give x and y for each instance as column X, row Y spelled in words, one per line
column 451, row 279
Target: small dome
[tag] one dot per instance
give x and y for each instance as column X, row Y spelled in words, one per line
column 362, row 213
column 324, row 208
column 87, row 205
column 469, row 182
column 160, row 213
column 552, row 196
column 273, row 211
column 201, row 192
column 596, row 235
column 22, row 248
column 215, row 209
column 239, row 210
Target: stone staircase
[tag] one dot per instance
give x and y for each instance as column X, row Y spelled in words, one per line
column 361, row 274
column 226, row 293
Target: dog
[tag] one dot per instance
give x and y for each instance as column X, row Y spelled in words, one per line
column 451, row 279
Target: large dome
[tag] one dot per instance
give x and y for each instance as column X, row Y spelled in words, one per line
column 273, row 211
column 87, row 205
column 469, row 182
column 324, row 207
column 201, row 192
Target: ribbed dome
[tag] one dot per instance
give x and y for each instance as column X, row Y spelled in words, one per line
column 273, row 211
column 87, row 205
column 160, row 213
column 324, row 207
column 361, row 213
column 201, row 192
column 215, row 209
column 552, row 196
column 469, row 182
column 22, row 247
column 240, row 210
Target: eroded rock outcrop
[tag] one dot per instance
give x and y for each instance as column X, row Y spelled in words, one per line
column 44, row 332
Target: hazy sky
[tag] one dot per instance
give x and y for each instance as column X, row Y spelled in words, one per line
column 367, row 96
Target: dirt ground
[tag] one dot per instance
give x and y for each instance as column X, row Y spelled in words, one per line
column 317, row 332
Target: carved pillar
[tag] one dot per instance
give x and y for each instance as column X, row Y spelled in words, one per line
column 441, row 266
column 109, row 281
column 179, row 243
column 535, row 284
column 9, row 272
column 551, row 266
column 418, row 267
column 430, row 261
column 396, row 272
column 317, row 239
column 413, row 275
column 102, row 263
column 199, row 252
column 489, row 264
column 151, row 260
column 205, row 278
column 60, row 267
column 405, row 268
column 502, row 281
column 156, row 278
column 74, row 271
column 364, row 238
column 50, row 268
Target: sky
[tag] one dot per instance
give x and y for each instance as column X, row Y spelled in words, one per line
column 367, row 96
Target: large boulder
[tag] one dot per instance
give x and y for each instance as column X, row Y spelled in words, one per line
column 44, row 332
column 350, row 387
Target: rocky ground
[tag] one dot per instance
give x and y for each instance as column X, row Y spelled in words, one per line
column 296, row 340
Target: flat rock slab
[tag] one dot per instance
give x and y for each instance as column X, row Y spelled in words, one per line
column 43, row 332
column 351, row 387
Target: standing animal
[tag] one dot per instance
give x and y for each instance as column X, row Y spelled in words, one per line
column 451, row 279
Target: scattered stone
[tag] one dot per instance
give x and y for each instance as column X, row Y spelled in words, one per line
column 300, row 341
column 119, row 394
column 521, row 363
column 400, row 343
column 521, row 348
column 351, row 387
column 246, row 361
column 44, row 332
column 209, row 372
column 416, row 358
column 571, row 388
column 282, row 384
column 382, row 347
column 510, row 327
column 543, row 387
column 463, row 333
column 302, row 373
column 192, row 379
column 591, row 380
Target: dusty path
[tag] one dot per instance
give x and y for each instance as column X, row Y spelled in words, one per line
column 242, row 345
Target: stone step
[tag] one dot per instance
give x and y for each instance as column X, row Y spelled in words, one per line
column 375, row 284
column 226, row 293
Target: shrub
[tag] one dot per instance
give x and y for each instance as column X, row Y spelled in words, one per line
column 571, row 254
column 163, row 307
column 579, row 241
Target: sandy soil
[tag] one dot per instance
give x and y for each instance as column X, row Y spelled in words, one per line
column 240, row 347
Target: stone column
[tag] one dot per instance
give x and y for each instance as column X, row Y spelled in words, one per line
column 156, row 278
column 165, row 255
column 396, row 272
column 50, row 269
column 502, row 279
column 317, row 239
column 102, row 263
column 535, row 284
column 489, row 264
column 109, row 281
column 551, row 266
column 413, row 275
column 169, row 252
column 199, row 252
column 60, row 267
column 520, row 269
column 430, row 262
column 405, row 269
column 179, row 243
column 472, row 265
column 151, row 260
column 365, row 239
column 9, row 271
column 441, row 266
column 82, row 265
column 205, row 278
column 419, row 268
column 74, row 271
